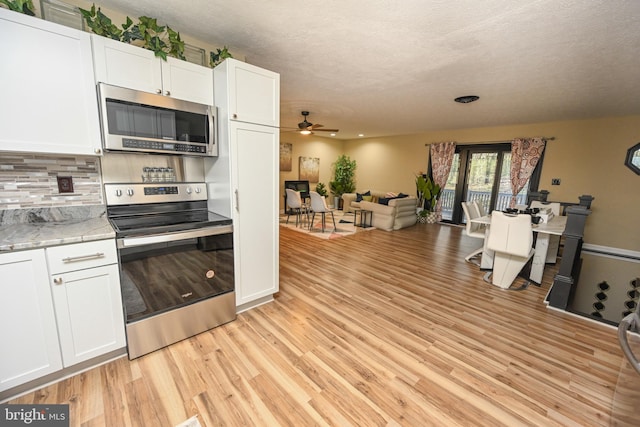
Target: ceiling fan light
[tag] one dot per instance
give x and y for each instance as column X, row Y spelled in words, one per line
column 305, row 132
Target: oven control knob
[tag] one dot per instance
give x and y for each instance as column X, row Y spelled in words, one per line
column 198, row 190
column 189, row 190
column 129, row 192
column 118, row 193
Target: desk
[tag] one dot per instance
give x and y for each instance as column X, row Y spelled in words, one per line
column 543, row 248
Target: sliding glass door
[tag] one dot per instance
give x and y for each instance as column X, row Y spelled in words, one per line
column 481, row 173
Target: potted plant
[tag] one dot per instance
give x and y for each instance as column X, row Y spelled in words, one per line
column 321, row 189
column 428, row 193
column 343, row 178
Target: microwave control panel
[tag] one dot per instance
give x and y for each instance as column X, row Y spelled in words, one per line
column 142, row 144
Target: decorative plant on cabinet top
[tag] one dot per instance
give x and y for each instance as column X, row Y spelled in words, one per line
column 160, row 39
column 218, row 56
column 22, row 6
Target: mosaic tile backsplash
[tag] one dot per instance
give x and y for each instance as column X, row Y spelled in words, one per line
column 30, row 180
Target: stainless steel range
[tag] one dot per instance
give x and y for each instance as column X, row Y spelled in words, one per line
column 176, row 262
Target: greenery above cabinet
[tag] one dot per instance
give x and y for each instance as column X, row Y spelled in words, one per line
column 22, row 6
column 160, row 39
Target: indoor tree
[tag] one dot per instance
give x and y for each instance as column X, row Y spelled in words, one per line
column 344, row 170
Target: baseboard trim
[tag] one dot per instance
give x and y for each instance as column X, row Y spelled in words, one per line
column 54, row 377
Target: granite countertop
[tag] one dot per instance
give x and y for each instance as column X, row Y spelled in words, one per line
column 22, row 229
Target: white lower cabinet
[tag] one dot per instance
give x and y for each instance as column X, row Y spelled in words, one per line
column 59, row 306
column 28, row 335
column 85, row 286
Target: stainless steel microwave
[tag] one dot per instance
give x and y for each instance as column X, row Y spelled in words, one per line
column 132, row 120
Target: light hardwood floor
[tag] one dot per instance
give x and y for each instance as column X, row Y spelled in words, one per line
column 379, row 328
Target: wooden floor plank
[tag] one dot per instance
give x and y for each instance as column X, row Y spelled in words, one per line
column 375, row 329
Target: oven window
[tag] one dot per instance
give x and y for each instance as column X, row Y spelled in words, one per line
column 163, row 276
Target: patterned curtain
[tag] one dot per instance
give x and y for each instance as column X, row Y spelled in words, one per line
column 525, row 154
column 441, row 159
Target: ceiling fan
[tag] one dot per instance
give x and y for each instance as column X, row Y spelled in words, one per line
column 306, row 128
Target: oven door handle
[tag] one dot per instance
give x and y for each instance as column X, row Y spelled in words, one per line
column 128, row 242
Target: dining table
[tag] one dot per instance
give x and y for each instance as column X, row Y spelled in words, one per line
column 546, row 246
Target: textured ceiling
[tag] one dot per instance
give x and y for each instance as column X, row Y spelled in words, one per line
column 394, row 67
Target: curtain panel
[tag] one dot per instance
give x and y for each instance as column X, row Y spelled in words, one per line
column 441, row 156
column 525, row 153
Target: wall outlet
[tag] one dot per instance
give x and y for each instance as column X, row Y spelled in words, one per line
column 555, row 181
column 65, row 184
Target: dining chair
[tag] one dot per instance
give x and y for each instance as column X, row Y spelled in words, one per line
column 472, row 229
column 554, row 241
column 295, row 205
column 481, row 209
column 511, row 239
column 319, row 205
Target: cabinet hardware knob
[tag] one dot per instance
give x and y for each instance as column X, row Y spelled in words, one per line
column 167, row 93
column 58, row 280
column 97, row 151
column 235, row 116
column 159, row 91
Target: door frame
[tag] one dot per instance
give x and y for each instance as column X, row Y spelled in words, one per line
column 464, row 152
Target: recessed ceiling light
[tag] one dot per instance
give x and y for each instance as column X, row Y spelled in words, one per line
column 333, row 134
column 466, row 99
column 361, row 134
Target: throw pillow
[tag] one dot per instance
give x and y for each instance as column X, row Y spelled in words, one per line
column 359, row 197
column 390, row 195
column 367, row 198
column 402, row 196
column 384, row 200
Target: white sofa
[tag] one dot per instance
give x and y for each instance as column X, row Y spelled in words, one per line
column 399, row 213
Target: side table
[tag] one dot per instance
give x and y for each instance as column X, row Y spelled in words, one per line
column 364, row 216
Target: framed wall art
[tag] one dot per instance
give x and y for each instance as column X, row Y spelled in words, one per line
column 309, row 169
column 285, row 156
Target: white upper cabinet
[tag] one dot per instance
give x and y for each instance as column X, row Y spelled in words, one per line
column 253, row 93
column 132, row 67
column 47, row 92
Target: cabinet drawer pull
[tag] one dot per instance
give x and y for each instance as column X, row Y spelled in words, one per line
column 83, row 257
column 58, row 280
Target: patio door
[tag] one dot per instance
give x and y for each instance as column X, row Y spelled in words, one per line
column 482, row 173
